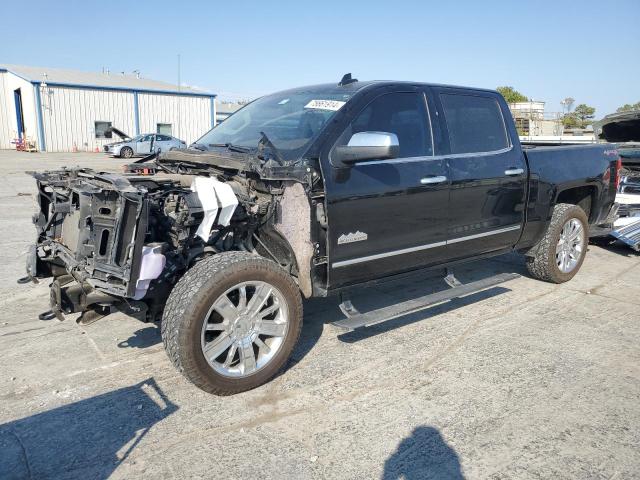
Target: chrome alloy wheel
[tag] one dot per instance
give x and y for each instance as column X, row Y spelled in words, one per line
column 570, row 245
column 244, row 328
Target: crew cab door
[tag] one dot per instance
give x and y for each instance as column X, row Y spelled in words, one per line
column 387, row 216
column 488, row 173
column 143, row 146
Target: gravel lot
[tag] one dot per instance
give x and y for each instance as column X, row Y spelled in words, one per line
column 526, row 380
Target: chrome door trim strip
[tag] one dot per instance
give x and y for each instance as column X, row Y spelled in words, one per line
column 344, row 263
column 484, row 234
column 368, row 258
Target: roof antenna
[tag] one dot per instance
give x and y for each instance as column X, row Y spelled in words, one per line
column 346, row 80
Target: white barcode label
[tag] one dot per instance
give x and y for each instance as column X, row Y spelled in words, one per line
column 332, row 105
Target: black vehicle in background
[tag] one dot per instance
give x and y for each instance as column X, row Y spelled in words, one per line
column 310, row 192
column 624, row 129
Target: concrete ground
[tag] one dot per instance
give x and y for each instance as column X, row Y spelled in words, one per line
column 526, row 380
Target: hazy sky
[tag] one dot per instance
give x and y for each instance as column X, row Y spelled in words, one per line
column 589, row 50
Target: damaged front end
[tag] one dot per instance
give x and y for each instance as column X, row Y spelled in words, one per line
column 113, row 240
column 87, row 240
column 123, row 240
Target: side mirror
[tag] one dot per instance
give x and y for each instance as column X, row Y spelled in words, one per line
column 367, row 146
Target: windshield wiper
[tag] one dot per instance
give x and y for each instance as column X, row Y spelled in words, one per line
column 198, row 146
column 232, row 147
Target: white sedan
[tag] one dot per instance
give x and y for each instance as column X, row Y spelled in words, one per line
column 144, row 145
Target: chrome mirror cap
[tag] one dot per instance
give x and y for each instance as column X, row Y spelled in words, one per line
column 364, row 146
column 374, row 139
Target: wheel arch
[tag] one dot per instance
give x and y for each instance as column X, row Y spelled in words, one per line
column 584, row 196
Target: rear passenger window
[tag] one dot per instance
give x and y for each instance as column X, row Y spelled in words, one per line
column 475, row 123
column 404, row 114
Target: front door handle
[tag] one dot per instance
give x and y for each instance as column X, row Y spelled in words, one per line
column 432, row 180
column 514, row 171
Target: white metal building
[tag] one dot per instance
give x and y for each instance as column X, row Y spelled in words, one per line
column 66, row 110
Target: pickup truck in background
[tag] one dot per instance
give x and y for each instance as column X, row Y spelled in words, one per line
column 311, row 192
column 624, row 129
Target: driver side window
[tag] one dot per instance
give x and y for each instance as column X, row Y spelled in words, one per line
column 404, row 114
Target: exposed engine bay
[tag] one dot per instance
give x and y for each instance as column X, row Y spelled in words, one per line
column 125, row 239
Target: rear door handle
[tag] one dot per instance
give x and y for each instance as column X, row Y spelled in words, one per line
column 432, row 180
column 514, row 171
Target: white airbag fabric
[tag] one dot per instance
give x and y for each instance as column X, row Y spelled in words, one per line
column 215, row 197
column 151, row 267
column 227, row 202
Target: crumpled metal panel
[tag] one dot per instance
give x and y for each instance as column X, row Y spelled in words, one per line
column 294, row 224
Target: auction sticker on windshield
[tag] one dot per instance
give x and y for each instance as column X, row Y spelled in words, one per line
column 333, row 105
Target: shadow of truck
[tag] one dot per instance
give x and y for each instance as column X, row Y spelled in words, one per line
column 85, row 439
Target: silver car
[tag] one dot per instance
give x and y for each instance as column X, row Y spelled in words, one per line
column 144, row 144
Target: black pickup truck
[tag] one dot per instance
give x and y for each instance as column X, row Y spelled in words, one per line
column 309, row 192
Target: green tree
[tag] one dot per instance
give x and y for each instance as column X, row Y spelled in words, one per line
column 570, row 120
column 585, row 114
column 627, row 107
column 582, row 116
column 511, row 95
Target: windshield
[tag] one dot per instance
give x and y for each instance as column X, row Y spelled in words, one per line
column 291, row 121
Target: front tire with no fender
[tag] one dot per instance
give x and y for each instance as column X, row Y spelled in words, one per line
column 231, row 322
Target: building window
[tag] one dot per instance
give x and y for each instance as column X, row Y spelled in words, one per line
column 164, row 128
column 103, row 129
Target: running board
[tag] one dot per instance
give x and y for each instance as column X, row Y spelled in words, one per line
column 355, row 319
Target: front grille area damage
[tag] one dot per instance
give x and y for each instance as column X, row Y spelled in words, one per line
column 126, row 239
column 88, row 224
column 109, row 238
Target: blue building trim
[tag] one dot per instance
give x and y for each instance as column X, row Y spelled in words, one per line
column 136, row 113
column 212, row 105
column 112, row 88
column 127, row 89
column 4, row 70
column 39, row 118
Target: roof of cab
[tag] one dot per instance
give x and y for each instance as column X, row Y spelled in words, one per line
column 357, row 86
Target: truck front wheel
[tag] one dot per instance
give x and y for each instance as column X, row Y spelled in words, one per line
column 558, row 256
column 231, row 322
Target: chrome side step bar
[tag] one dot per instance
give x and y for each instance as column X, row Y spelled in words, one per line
column 354, row 319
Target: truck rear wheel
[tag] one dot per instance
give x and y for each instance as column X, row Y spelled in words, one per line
column 231, row 322
column 558, row 256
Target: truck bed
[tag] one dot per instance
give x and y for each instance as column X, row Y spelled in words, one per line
column 568, row 165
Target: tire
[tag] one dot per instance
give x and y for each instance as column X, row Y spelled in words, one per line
column 126, row 152
column 542, row 259
column 191, row 311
